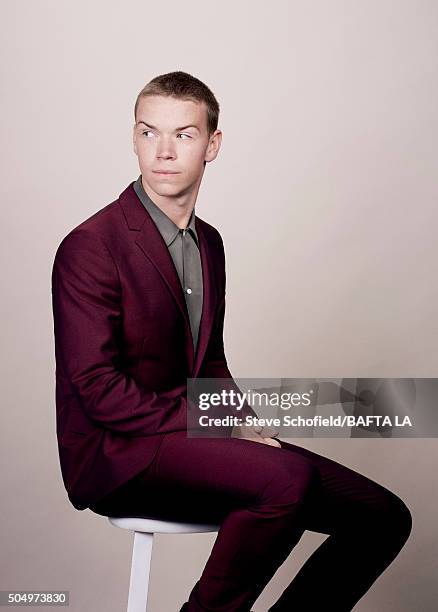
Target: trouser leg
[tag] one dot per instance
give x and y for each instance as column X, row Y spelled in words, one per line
column 255, row 491
column 264, row 488
column 367, row 524
column 265, row 497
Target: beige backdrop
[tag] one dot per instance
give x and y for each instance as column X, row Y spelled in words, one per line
column 325, row 193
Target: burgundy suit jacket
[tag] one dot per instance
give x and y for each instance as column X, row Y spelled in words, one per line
column 123, row 344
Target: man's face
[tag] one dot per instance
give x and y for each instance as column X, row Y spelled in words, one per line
column 170, row 135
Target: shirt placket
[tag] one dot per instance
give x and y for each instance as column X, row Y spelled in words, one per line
column 187, row 290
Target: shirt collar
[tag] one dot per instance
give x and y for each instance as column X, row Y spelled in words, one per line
column 168, row 229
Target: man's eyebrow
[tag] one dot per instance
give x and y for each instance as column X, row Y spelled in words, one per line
column 176, row 130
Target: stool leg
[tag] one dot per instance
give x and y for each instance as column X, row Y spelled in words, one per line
column 140, row 568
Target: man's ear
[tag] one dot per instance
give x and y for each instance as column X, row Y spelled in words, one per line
column 134, row 140
column 214, row 146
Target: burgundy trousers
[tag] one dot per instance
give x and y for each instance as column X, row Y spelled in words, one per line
column 264, row 498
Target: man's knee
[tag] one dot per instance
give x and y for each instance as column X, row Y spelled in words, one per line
column 392, row 522
column 399, row 517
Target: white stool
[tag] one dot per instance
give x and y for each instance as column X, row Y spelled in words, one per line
column 144, row 530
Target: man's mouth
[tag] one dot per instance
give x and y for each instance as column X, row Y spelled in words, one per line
column 164, row 172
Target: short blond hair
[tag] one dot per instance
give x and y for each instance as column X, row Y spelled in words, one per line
column 185, row 87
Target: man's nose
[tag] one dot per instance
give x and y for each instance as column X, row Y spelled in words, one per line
column 165, row 149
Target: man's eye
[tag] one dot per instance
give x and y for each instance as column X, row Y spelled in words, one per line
column 145, row 132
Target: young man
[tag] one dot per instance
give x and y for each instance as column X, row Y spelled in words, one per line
column 139, row 304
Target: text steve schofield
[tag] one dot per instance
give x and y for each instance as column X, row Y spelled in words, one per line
column 285, row 401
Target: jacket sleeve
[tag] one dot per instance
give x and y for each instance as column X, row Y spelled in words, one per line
column 216, row 365
column 86, row 302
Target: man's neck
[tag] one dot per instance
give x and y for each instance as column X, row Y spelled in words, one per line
column 178, row 210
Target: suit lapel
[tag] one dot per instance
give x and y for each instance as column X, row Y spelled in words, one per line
column 151, row 243
column 209, row 295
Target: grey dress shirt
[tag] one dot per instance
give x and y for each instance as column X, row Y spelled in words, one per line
column 183, row 245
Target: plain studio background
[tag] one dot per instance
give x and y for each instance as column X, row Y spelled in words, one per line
column 327, row 172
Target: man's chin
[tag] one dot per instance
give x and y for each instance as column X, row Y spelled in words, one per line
column 162, row 187
column 167, row 190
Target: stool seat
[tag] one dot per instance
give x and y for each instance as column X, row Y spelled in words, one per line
column 144, row 530
column 151, row 525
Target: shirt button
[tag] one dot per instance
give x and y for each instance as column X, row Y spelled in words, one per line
column 189, row 290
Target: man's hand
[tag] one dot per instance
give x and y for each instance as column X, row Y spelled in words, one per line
column 254, row 433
